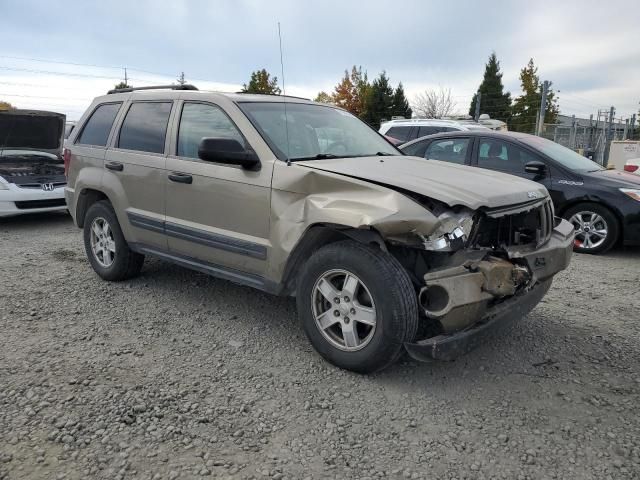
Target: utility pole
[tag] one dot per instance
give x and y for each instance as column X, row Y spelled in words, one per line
column 608, row 137
column 572, row 135
column 626, row 129
column 126, row 79
column 590, row 132
column 633, row 126
column 181, row 80
column 476, row 117
column 543, row 108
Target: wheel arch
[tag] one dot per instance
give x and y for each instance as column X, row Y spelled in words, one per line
column 317, row 236
column 87, row 197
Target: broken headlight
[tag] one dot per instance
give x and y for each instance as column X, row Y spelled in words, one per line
column 451, row 234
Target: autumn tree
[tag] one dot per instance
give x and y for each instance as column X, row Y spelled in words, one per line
column 400, row 106
column 378, row 103
column 434, row 103
column 262, row 82
column 324, row 97
column 526, row 106
column 351, row 92
column 494, row 101
column 4, row 106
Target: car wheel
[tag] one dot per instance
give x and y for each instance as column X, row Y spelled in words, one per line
column 596, row 227
column 357, row 306
column 107, row 250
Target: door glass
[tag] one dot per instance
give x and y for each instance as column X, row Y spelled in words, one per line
column 198, row 121
column 453, row 150
column 428, row 131
column 145, row 127
column 96, row 130
column 496, row 154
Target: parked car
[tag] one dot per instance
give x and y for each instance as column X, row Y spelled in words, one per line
column 410, row 129
column 603, row 205
column 68, row 128
column 31, row 165
column 633, row 166
column 383, row 252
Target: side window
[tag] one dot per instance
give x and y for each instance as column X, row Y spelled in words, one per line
column 145, row 127
column 416, row 149
column 453, row 150
column 427, row 131
column 199, row 120
column 496, row 154
column 96, row 130
column 399, row 133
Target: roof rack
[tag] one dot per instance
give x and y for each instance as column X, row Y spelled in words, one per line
column 186, row 86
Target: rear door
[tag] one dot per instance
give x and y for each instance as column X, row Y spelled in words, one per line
column 495, row 153
column 216, row 213
column 134, row 171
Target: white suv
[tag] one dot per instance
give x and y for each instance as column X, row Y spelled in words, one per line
column 407, row 130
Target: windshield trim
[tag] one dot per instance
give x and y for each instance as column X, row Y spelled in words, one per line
column 280, row 155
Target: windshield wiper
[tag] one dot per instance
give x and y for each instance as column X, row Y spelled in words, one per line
column 384, row 154
column 320, row 156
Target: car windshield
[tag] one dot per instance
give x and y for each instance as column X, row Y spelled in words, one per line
column 314, row 132
column 563, row 155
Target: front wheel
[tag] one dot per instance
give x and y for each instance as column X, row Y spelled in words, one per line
column 357, row 306
column 596, row 227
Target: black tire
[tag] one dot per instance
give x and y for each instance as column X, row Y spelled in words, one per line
column 395, row 300
column 125, row 263
column 613, row 227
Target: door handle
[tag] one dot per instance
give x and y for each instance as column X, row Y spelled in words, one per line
column 181, row 178
column 118, row 167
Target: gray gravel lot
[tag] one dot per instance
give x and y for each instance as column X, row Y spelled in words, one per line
column 178, row 375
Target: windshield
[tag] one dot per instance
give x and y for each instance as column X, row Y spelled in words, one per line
column 563, row 155
column 314, row 131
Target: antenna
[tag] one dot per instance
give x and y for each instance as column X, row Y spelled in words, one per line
column 284, row 98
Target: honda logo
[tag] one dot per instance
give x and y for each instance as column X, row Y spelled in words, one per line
column 48, row 187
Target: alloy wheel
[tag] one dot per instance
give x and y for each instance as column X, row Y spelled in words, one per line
column 591, row 229
column 343, row 310
column 103, row 244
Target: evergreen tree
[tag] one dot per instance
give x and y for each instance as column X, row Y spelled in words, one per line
column 261, row 82
column 378, row 102
column 400, row 107
column 526, row 106
column 494, row 101
column 122, row 85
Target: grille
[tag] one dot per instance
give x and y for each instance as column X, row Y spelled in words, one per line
column 38, row 186
column 26, row 204
column 528, row 224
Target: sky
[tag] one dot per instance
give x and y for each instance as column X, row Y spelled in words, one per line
column 58, row 55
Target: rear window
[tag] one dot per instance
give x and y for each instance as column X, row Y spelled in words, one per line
column 399, row 133
column 145, row 127
column 96, row 130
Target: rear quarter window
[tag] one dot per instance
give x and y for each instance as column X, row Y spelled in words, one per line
column 399, row 133
column 96, row 130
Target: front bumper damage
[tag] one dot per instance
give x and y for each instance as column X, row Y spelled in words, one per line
column 471, row 302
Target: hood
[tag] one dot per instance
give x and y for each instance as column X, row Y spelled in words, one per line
column 615, row 178
column 449, row 183
column 33, row 130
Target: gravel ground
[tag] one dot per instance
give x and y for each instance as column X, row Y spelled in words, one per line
column 178, row 375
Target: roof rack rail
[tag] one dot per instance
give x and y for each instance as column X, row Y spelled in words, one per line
column 186, row 86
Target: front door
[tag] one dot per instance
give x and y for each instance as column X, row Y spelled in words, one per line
column 216, row 214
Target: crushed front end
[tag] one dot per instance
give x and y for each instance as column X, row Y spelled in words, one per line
column 481, row 269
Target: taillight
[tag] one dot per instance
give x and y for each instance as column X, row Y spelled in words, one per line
column 67, row 160
column 630, row 168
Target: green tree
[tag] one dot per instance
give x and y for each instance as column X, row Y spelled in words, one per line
column 350, row 93
column 324, row 97
column 122, row 85
column 526, row 106
column 400, row 106
column 4, row 106
column 494, row 101
column 378, row 102
column 261, row 82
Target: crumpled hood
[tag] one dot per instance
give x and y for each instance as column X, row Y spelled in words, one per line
column 34, row 130
column 449, row 183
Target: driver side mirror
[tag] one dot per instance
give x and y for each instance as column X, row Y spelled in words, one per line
column 229, row 151
column 536, row 168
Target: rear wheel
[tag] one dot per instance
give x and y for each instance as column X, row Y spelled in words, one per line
column 357, row 306
column 107, row 250
column 596, row 227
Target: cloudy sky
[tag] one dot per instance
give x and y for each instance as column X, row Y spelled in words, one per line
column 58, row 55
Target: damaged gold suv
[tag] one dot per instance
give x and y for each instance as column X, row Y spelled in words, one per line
column 384, row 253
